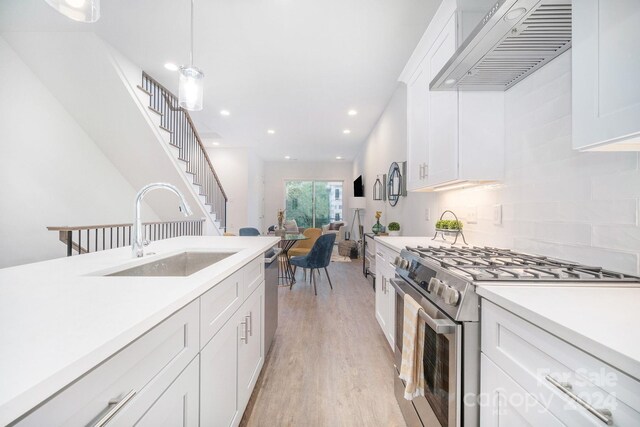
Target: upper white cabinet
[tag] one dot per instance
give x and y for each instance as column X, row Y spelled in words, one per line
column 605, row 68
column 453, row 138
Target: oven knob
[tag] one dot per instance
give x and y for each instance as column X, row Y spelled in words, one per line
column 404, row 264
column 434, row 286
column 450, row 295
column 397, row 261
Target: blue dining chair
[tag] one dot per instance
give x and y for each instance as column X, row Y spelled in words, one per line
column 249, row 231
column 318, row 257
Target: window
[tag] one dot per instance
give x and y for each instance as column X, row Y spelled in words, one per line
column 310, row 202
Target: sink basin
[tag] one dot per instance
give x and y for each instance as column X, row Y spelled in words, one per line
column 180, row 265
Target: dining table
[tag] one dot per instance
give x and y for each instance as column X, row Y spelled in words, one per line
column 287, row 241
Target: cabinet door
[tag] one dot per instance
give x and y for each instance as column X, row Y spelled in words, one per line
column 605, row 68
column 218, row 372
column 381, row 296
column 506, row 403
column 391, row 315
column 179, row 404
column 417, row 116
column 442, row 113
column 251, row 348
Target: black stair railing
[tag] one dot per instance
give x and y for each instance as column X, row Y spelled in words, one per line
column 184, row 136
column 93, row 238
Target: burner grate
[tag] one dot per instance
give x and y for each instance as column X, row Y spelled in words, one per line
column 493, row 264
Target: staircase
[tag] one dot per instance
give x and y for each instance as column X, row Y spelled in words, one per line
column 187, row 147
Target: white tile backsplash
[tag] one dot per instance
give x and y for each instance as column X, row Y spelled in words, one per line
column 556, row 201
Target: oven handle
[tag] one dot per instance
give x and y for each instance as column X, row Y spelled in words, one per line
column 439, row 326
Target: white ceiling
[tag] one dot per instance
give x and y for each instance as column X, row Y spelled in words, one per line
column 293, row 66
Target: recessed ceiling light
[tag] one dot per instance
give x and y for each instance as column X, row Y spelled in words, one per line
column 171, row 66
column 271, row 131
column 215, row 143
column 338, row 157
column 287, row 157
column 449, row 81
column 224, row 112
column 346, row 131
column 352, row 112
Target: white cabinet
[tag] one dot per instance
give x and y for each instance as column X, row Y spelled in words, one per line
column 539, row 369
column 442, row 112
column 251, row 350
column 179, row 404
column 505, row 403
column 605, row 69
column 198, row 367
column 138, row 375
column 231, row 363
column 453, row 138
column 218, row 372
column 385, row 293
column 417, row 129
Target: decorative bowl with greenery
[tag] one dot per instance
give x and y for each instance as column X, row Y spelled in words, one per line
column 394, row 229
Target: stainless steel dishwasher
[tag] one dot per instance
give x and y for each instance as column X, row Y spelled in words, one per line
column 270, row 295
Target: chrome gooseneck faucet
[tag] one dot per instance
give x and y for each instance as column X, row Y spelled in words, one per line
column 137, row 247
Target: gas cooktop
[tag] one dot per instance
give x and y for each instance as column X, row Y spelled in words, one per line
column 492, row 264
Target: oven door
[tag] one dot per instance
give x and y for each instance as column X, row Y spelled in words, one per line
column 440, row 405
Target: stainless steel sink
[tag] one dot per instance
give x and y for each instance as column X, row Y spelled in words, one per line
column 180, row 265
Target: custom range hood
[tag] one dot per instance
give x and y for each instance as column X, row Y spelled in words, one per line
column 515, row 38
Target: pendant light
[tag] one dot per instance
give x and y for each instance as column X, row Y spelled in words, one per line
column 191, row 87
column 79, row 10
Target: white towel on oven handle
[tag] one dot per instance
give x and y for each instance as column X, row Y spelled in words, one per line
column 412, row 369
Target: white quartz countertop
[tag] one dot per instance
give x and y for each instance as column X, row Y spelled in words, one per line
column 397, row 243
column 58, row 319
column 602, row 321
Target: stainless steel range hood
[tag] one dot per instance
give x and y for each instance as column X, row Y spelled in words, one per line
column 515, row 38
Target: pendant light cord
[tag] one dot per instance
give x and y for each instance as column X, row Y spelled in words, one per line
column 191, row 54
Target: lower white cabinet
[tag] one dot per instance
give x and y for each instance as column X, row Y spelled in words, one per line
column 505, row 403
column 179, row 404
column 527, row 371
column 385, row 293
column 173, row 375
column 136, row 376
column 230, row 364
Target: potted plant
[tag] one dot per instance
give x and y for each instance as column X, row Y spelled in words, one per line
column 394, row 229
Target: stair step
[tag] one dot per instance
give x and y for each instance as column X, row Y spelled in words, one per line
column 164, row 128
column 155, row 111
column 171, row 143
column 144, row 90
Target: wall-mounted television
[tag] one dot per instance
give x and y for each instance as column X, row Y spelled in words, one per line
column 358, row 187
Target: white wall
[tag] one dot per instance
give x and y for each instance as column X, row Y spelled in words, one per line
column 52, row 173
column 241, row 173
column 556, row 201
column 276, row 173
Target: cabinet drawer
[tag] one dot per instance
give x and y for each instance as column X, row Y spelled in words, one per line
column 506, row 403
column 542, row 363
column 146, row 367
column 253, row 275
column 219, row 303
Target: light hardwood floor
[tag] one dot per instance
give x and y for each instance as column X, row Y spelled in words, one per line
column 330, row 364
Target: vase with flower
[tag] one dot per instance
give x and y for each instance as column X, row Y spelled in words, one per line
column 377, row 227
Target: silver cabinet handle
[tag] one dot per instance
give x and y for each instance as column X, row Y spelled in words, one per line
column 603, row 415
column 384, row 285
column 115, row 405
column 250, row 327
column 426, row 170
column 244, row 338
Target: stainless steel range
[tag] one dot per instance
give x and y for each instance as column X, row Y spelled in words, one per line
column 443, row 280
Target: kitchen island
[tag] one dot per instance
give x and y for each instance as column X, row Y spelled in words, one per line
column 61, row 319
